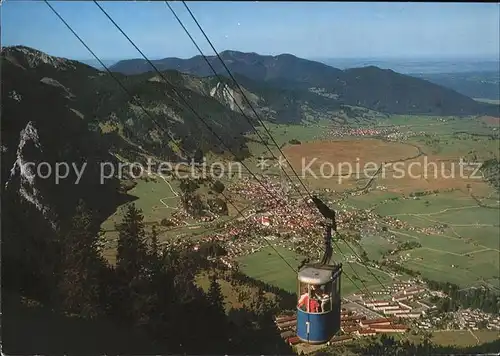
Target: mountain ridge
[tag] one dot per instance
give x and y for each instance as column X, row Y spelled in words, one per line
column 475, row 84
column 99, row 98
column 401, row 94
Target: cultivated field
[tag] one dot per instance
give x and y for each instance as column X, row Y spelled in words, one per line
column 465, row 252
column 267, row 266
column 354, row 164
column 464, row 337
column 368, row 201
column 491, row 121
column 156, row 198
column 424, row 159
column 350, row 151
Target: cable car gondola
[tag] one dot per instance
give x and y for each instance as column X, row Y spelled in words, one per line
column 318, row 307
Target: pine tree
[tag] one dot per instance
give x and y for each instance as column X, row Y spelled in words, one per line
column 81, row 265
column 131, row 250
column 133, row 292
column 30, row 250
column 156, row 263
column 154, row 241
column 198, row 156
column 218, row 332
column 215, row 295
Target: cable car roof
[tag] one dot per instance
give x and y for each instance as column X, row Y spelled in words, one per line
column 313, row 275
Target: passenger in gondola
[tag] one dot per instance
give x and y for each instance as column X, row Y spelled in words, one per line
column 309, row 302
column 324, row 297
column 314, row 305
column 304, row 298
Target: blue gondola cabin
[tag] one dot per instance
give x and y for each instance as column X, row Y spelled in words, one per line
column 318, row 306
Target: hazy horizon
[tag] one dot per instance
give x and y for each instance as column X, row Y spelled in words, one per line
column 306, row 29
column 402, row 66
column 415, row 59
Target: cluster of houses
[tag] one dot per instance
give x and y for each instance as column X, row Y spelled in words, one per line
column 404, row 300
column 402, row 303
column 403, row 136
column 359, row 325
column 469, row 319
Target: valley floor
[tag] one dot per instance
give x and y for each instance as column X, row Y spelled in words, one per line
column 443, row 227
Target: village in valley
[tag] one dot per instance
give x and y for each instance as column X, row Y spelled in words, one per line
column 386, row 230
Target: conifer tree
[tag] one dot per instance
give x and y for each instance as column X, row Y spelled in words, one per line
column 154, row 243
column 81, row 265
column 133, row 292
column 218, row 332
column 198, row 156
column 215, row 295
column 131, row 250
column 259, row 304
column 156, row 263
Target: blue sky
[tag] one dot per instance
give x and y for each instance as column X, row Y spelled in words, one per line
column 306, row 29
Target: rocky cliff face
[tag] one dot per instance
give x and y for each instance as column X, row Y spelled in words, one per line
column 41, row 131
column 23, row 173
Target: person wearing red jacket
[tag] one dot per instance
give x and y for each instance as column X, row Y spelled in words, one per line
column 310, row 303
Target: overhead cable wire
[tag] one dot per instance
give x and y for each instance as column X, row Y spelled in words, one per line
column 147, row 113
column 242, row 93
column 267, row 131
column 245, row 97
column 182, row 98
column 231, row 95
column 250, row 105
column 258, row 118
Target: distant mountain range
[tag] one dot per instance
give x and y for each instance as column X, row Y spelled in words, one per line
column 476, row 78
column 418, row 66
column 403, row 66
column 478, row 84
column 370, row 87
